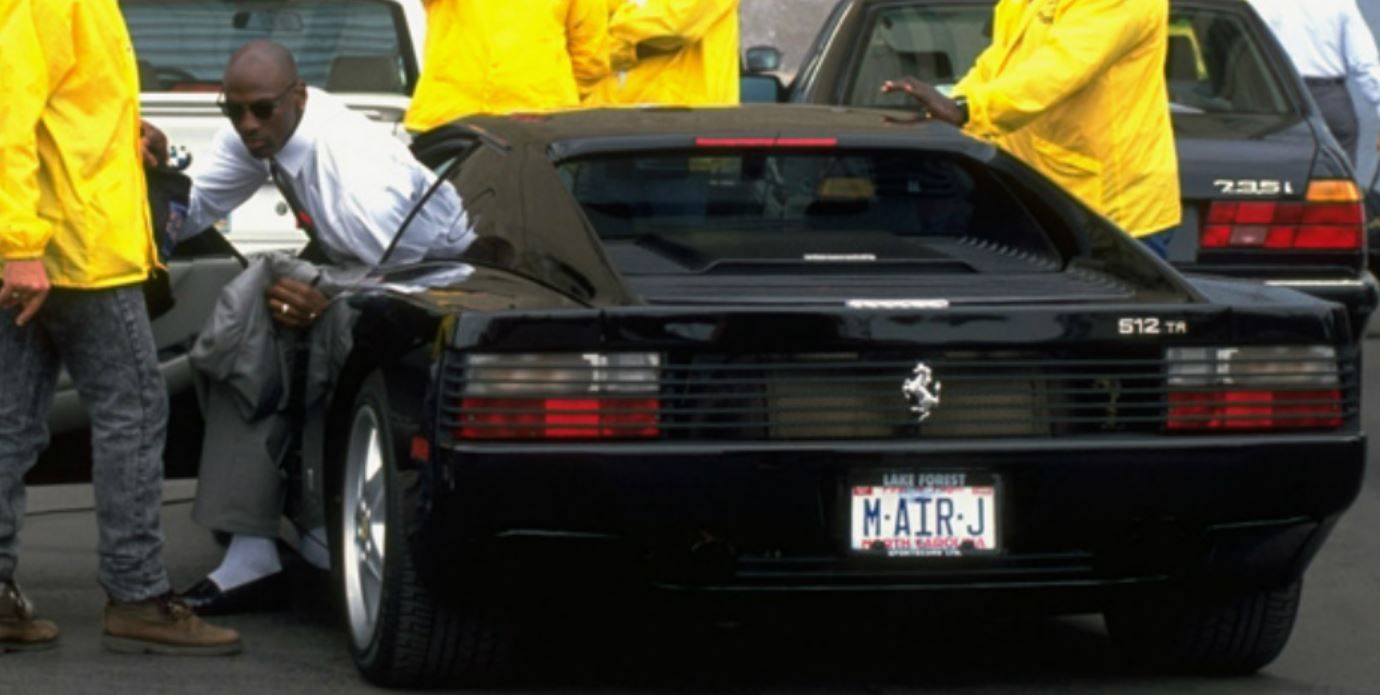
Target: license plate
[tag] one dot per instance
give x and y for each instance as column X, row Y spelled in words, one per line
column 925, row 515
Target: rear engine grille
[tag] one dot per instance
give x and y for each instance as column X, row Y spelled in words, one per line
column 847, row 396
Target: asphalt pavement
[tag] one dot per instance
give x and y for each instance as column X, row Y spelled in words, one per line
column 1332, row 651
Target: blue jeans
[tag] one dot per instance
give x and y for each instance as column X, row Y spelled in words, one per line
column 1158, row 243
column 104, row 340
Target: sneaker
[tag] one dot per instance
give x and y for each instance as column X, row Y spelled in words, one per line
column 20, row 631
column 164, row 625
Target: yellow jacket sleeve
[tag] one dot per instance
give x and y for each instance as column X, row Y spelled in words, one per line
column 662, row 25
column 587, row 34
column 979, row 73
column 28, row 66
column 986, row 64
column 1085, row 37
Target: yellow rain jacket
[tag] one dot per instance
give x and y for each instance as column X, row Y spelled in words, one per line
column 73, row 192
column 680, row 52
column 1076, row 89
column 505, row 56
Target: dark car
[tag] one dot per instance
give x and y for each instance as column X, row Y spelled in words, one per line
column 1267, row 192
column 807, row 352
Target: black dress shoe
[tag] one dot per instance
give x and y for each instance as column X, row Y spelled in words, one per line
column 261, row 595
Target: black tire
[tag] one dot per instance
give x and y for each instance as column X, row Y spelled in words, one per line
column 413, row 640
column 1210, row 632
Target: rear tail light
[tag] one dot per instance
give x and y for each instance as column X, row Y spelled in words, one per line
column 561, row 396
column 1253, row 388
column 1331, row 219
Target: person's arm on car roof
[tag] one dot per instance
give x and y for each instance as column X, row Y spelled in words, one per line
column 980, row 72
column 986, row 64
column 1084, row 40
column 34, row 52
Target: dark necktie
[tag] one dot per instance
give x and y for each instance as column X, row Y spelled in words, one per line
column 284, row 184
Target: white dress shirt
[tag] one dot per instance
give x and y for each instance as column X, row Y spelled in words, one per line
column 1326, row 39
column 355, row 181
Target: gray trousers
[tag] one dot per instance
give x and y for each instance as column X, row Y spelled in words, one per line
column 1339, row 111
column 103, row 339
column 241, row 484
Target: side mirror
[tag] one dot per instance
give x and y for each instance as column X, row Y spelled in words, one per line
column 763, row 59
column 760, row 89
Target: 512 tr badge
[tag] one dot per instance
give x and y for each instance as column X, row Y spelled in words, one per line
column 1150, row 325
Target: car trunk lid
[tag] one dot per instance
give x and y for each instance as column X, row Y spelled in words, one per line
column 1260, row 161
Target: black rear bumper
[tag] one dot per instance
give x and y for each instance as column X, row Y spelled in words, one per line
column 774, row 518
column 1360, row 295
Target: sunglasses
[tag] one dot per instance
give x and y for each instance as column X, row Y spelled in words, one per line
column 262, row 109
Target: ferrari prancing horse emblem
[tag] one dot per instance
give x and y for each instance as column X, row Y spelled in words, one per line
column 922, row 391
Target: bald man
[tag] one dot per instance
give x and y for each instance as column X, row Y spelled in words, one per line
column 351, row 185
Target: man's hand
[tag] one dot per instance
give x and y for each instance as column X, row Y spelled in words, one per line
column 26, row 286
column 154, row 144
column 939, row 106
column 294, row 304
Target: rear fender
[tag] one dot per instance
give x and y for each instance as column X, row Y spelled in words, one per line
column 391, row 337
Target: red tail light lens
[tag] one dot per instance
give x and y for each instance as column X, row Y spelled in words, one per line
column 1254, row 388
column 1254, row 410
column 1332, row 219
column 560, row 396
column 559, row 418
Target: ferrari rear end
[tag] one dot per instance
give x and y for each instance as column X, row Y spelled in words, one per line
column 867, row 356
column 904, row 450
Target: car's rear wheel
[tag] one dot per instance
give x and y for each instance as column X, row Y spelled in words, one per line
column 400, row 634
column 1217, row 632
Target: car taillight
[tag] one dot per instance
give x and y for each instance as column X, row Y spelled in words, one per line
column 784, row 142
column 1253, row 388
column 560, row 396
column 1331, row 219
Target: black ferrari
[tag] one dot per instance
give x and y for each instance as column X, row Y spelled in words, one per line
column 809, row 351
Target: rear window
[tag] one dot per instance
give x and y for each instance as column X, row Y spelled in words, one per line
column 340, row 45
column 1216, row 63
column 767, row 210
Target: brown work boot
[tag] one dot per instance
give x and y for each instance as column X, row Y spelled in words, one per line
column 164, row 625
column 19, row 630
